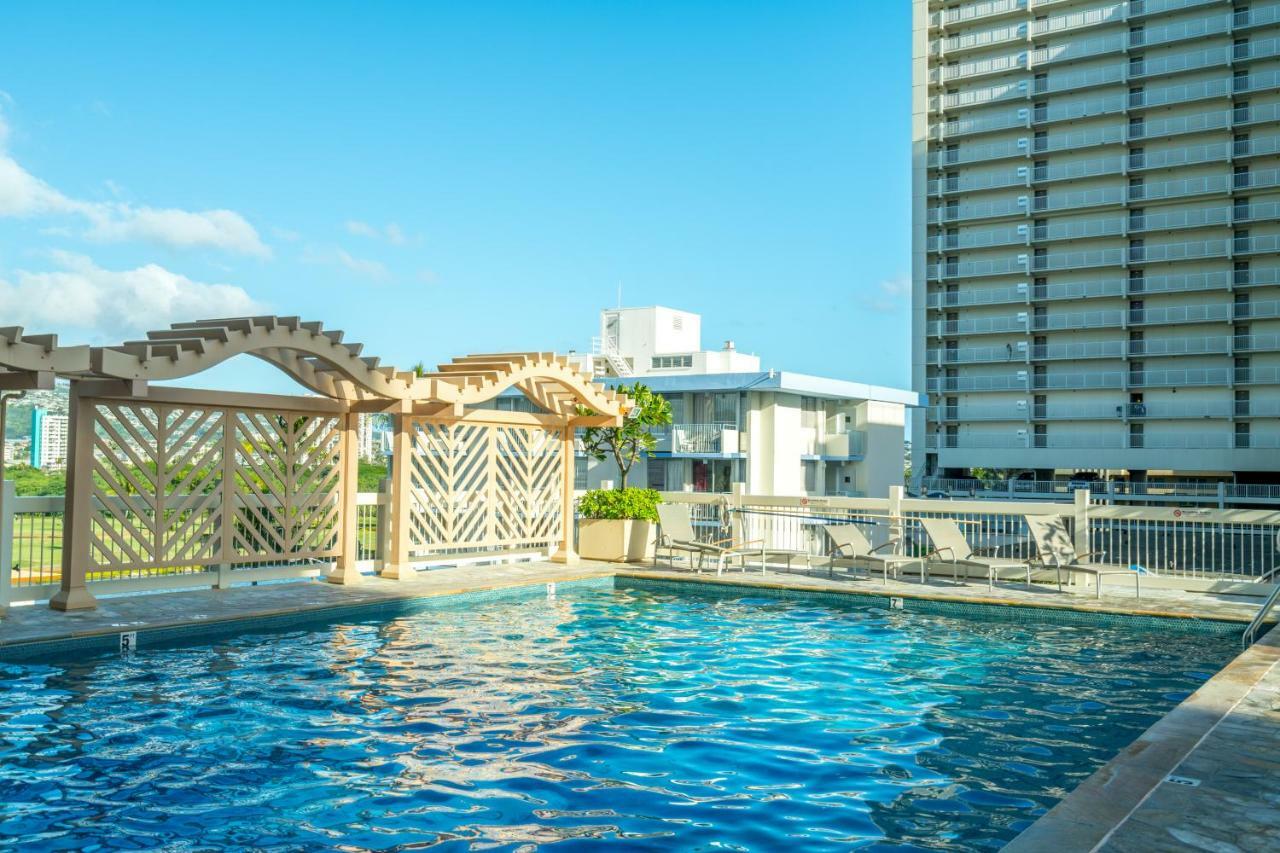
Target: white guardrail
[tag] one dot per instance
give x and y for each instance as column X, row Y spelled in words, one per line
column 1206, row 545
column 1194, row 544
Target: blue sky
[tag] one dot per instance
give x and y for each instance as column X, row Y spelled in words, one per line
column 438, row 178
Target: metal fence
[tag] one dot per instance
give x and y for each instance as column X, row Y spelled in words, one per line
column 1205, row 544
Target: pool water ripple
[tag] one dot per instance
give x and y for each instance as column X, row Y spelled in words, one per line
column 629, row 716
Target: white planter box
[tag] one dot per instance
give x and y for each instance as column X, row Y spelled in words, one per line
column 616, row 540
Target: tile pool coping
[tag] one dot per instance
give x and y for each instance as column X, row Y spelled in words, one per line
column 1086, row 819
column 942, row 605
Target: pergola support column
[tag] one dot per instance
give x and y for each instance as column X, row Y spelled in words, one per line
column 397, row 566
column 565, row 552
column 344, row 570
column 73, row 594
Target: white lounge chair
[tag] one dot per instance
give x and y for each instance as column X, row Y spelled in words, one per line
column 1056, row 550
column 950, row 545
column 675, row 533
column 851, row 545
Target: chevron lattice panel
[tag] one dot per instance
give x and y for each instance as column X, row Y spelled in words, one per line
column 285, row 502
column 157, row 487
column 483, row 486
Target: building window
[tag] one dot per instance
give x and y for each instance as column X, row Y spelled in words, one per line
column 670, row 362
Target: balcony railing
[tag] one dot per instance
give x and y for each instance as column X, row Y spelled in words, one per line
column 1182, row 491
column 1151, row 284
column 697, row 439
column 1077, row 440
column 975, row 12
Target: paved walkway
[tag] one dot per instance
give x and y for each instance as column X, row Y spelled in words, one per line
column 1226, row 736
column 163, row 610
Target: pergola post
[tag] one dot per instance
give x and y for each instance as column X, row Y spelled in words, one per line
column 344, row 570
column 397, row 565
column 73, row 594
column 565, row 552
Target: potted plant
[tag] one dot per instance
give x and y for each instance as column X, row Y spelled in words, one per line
column 620, row 524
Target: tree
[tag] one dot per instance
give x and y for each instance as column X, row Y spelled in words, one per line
column 626, row 443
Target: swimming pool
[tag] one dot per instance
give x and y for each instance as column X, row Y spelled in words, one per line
column 667, row 720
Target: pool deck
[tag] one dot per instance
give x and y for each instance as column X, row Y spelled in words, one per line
column 1226, row 736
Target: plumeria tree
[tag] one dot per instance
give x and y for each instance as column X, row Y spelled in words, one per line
column 625, row 444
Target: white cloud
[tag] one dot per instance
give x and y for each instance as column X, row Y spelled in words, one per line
column 890, row 295
column 391, row 232
column 24, row 195
column 83, row 299
column 361, row 229
column 363, row 267
column 395, row 235
column 178, row 229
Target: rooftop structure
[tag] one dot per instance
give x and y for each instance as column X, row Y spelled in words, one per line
column 774, row 432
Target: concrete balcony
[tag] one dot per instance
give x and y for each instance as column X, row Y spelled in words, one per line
column 978, row 68
column 1074, row 21
column 952, row 45
column 994, row 94
column 1079, row 49
column 976, row 12
column 1023, row 412
column 1078, row 440
column 697, row 440
column 1109, row 287
column 1024, row 380
column 841, row 446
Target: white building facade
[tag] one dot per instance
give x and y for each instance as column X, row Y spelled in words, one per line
column 1096, row 263
column 775, row 432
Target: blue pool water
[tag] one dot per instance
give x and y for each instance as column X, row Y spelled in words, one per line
column 635, row 716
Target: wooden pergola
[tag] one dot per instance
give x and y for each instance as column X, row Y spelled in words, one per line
column 163, row 480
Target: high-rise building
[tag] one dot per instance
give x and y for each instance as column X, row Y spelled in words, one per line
column 48, row 439
column 1096, row 248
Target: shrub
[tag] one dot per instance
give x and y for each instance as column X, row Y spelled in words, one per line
column 638, row 504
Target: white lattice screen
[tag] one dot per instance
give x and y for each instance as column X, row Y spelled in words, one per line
column 484, row 486
column 179, row 488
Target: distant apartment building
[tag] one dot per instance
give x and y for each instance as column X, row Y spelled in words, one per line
column 775, row 432
column 48, row 440
column 1096, row 247
column 17, row 450
column 367, row 439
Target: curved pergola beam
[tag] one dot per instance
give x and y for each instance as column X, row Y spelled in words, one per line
column 320, row 361
column 316, row 358
column 24, row 353
column 547, row 379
